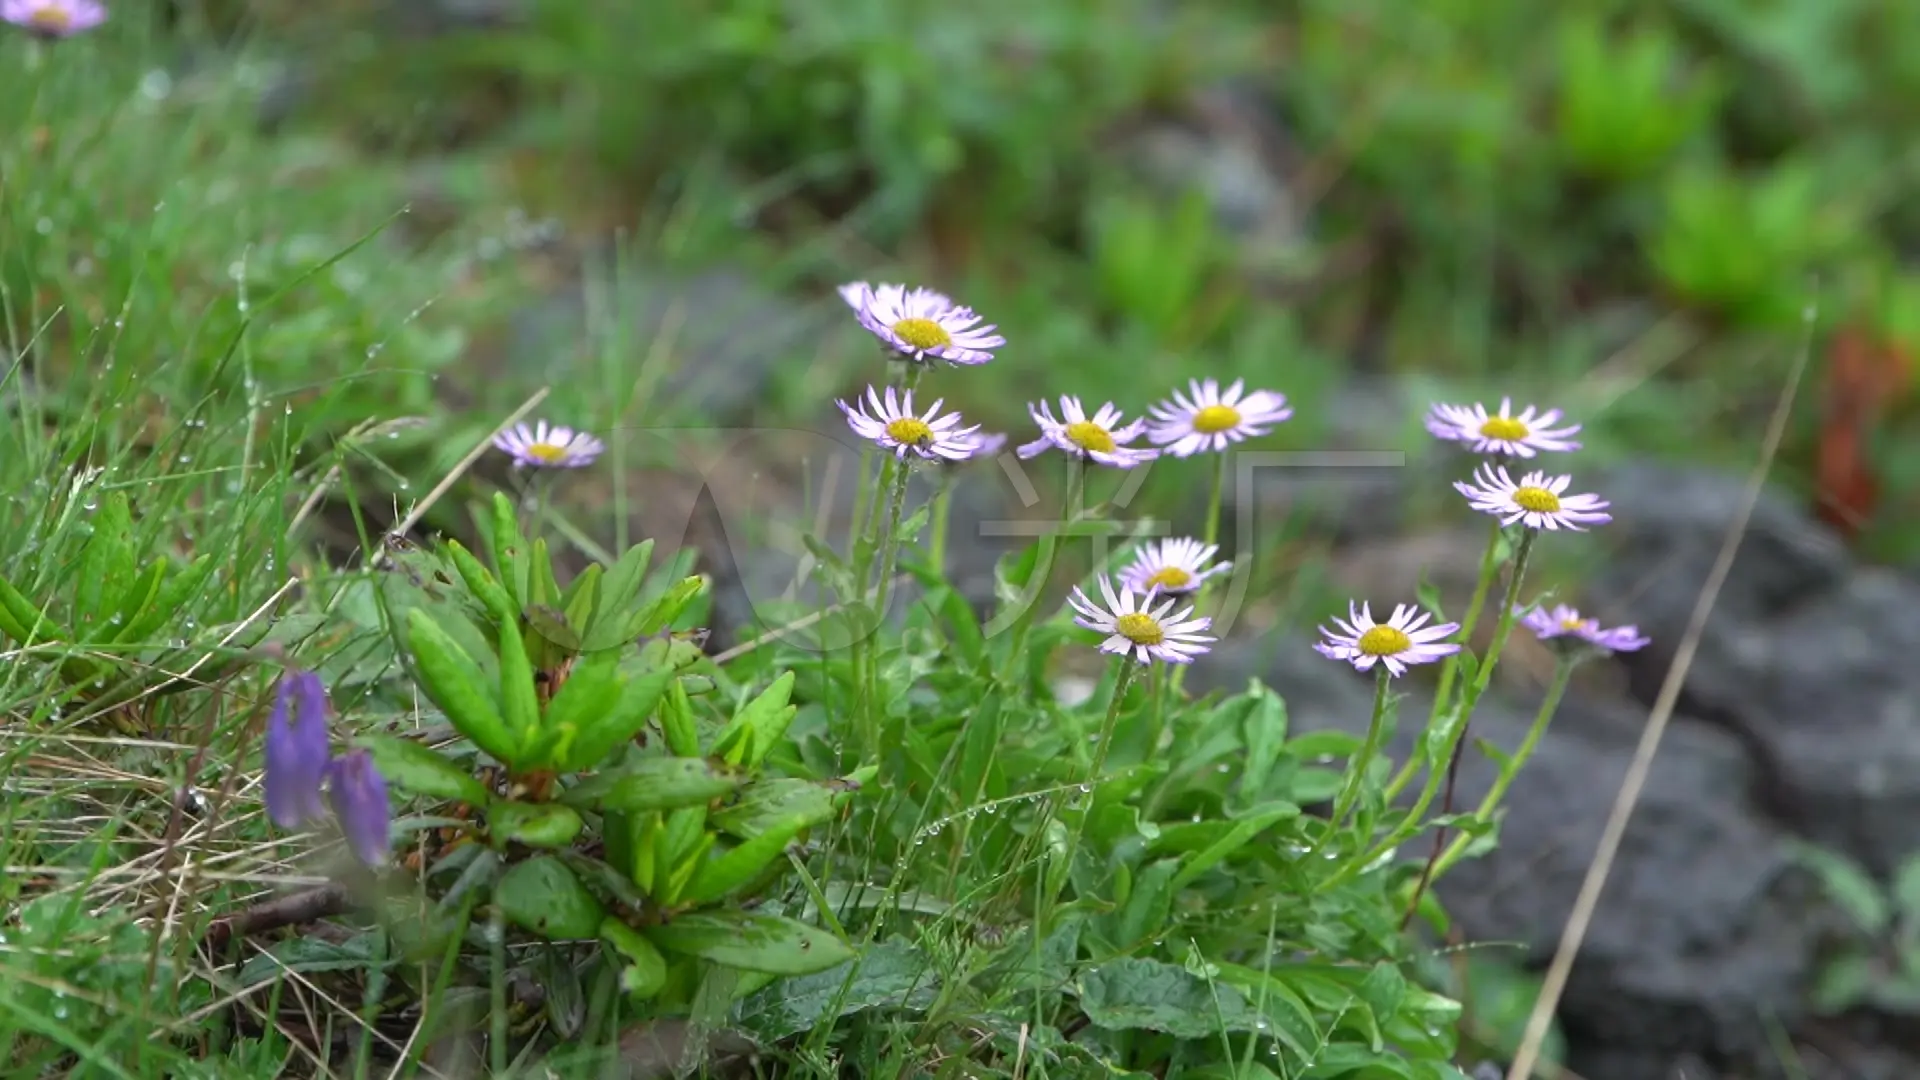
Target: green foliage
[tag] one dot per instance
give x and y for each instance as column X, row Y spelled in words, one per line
column 1875, row 961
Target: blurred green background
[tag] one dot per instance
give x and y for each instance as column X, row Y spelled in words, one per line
column 1624, row 207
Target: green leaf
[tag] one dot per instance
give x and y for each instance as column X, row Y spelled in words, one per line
column 773, row 804
column 456, row 684
column 660, row 615
column 23, row 622
column 540, row 825
column 1906, row 889
column 178, row 591
column 1850, row 886
column 891, row 975
column 758, row 725
column 1265, row 733
column 645, row 973
column 589, row 692
column 107, row 567
column 552, row 632
column 1136, row 994
column 581, row 602
column 752, row 942
column 718, row 877
column 509, row 549
column 1242, row 833
column 481, row 582
column 655, row 783
column 422, row 771
column 519, row 702
column 598, row 734
column 542, row 896
column 138, row 598
column 619, row 590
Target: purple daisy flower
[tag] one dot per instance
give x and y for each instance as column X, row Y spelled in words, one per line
column 1565, row 625
column 1137, row 629
column 1174, row 566
column 54, row 18
column 1207, row 418
column 1100, row 437
column 1501, row 433
column 987, row 443
column 547, row 447
column 892, row 425
column 296, row 750
column 1538, row 501
column 1402, row 640
column 359, row 796
column 919, row 323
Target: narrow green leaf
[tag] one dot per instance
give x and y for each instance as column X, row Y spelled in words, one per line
column 718, row 877
column 772, row 804
column 618, row 605
column 589, row 692
column 1242, row 834
column 660, row 615
column 654, row 783
column 645, row 973
column 540, row 825
column 752, row 942
column 519, row 703
column 139, row 596
column 107, row 567
column 28, row 622
column 422, row 771
column 481, row 582
column 509, row 549
column 598, row 734
column 455, row 683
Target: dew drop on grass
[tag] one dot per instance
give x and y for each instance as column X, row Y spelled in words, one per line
column 44, row 226
column 185, row 459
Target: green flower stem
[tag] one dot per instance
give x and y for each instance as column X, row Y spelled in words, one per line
column 890, row 539
column 1043, row 563
column 1562, row 675
column 1122, row 682
column 1450, row 670
column 942, row 509
column 1214, row 504
column 1369, row 749
column 1410, row 823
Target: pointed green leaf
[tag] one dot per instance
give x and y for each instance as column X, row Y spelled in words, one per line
column 581, row 603
column 769, row 805
column 543, row 896
column 519, row 702
column 655, row 783
column 107, row 567
column 175, row 594
column 25, row 621
column 661, row 613
column 455, row 683
column 590, row 691
column 718, row 877
column 752, row 942
column 421, row 770
column 509, row 550
column 619, row 593
column 758, row 725
column 1242, row 833
column 139, row 596
column 645, row 973
column 482, row 584
column 599, row 734
column 540, row 825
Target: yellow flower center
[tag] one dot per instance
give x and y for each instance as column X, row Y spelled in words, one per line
column 1139, row 629
column 1504, row 428
column 922, row 334
column 1216, row 418
column 1171, row 577
column 546, row 451
column 1572, row 624
column 910, row 431
column 50, row 17
column 1384, row 641
column 1091, row 437
column 1538, row 500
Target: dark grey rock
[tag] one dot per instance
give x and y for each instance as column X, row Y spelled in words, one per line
column 1707, row 931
